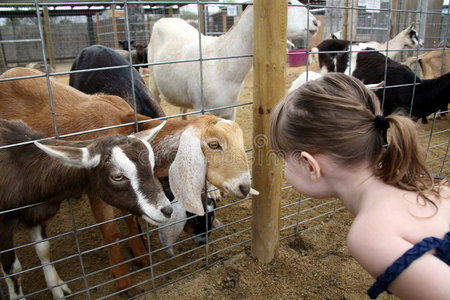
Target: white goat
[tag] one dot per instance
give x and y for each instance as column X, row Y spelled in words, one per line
column 303, row 78
column 310, row 75
column 407, row 38
column 180, row 83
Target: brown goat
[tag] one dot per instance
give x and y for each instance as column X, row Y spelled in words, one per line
column 187, row 150
column 435, row 63
column 110, row 167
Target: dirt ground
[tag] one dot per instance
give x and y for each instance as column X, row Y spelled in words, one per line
column 313, row 264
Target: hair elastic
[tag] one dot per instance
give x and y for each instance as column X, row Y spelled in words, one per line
column 380, row 123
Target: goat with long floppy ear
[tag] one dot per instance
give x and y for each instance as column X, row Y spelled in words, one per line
column 187, row 172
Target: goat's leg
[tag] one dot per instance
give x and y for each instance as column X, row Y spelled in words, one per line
column 233, row 114
column 58, row 287
column 110, row 231
column 183, row 110
column 136, row 243
column 152, row 85
column 10, row 264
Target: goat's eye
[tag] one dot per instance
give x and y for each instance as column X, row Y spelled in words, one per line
column 118, row 177
column 214, row 145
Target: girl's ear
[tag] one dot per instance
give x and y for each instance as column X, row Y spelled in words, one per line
column 312, row 164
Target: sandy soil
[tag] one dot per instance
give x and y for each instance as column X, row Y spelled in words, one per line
column 313, row 264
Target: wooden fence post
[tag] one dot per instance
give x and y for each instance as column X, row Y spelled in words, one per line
column 269, row 62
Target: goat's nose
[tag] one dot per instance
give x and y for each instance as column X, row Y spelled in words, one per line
column 167, row 211
column 245, row 189
column 316, row 23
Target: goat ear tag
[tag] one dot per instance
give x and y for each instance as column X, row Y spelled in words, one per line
column 188, row 172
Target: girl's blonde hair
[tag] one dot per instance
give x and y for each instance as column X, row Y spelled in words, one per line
column 337, row 115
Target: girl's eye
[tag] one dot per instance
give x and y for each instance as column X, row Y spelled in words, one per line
column 117, row 177
column 214, row 145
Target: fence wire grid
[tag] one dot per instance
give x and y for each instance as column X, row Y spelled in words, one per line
column 48, row 35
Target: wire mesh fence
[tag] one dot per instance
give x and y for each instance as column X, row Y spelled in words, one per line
column 51, row 34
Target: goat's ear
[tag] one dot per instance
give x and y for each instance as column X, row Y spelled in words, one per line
column 375, row 86
column 411, row 26
column 168, row 235
column 71, row 156
column 188, row 172
column 149, row 134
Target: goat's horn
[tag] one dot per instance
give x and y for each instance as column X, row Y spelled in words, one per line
column 253, row 192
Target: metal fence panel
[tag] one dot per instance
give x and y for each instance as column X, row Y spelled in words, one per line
column 78, row 251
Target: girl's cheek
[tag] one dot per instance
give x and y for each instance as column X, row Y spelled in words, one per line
column 289, row 173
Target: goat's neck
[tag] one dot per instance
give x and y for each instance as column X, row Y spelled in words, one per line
column 397, row 42
column 238, row 41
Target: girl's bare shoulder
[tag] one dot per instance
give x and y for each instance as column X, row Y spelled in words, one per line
column 375, row 243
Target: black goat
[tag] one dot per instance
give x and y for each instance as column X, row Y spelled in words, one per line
column 420, row 100
column 112, row 81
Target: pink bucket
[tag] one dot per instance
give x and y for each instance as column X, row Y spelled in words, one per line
column 297, row 57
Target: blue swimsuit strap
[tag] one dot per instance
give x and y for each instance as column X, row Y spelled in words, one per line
column 407, row 258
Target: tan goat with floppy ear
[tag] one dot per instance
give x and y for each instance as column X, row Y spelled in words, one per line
column 203, row 152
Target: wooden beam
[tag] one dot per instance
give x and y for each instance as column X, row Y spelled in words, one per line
column 350, row 20
column 224, row 22
column 430, row 24
column 113, row 16
column 345, row 34
column 270, row 19
column 99, row 39
column 394, row 19
column 48, row 38
column 2, row 59
column 149, row 28
column 201, row 14
column 353, row 21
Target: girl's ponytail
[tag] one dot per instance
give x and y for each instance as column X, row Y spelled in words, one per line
column 402, row 164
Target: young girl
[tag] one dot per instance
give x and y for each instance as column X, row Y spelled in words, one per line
column 330, row 132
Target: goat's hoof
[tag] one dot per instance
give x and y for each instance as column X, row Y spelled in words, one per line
column 142, row 262
column 66, row 290
column 61, row 292
column 128, row 294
